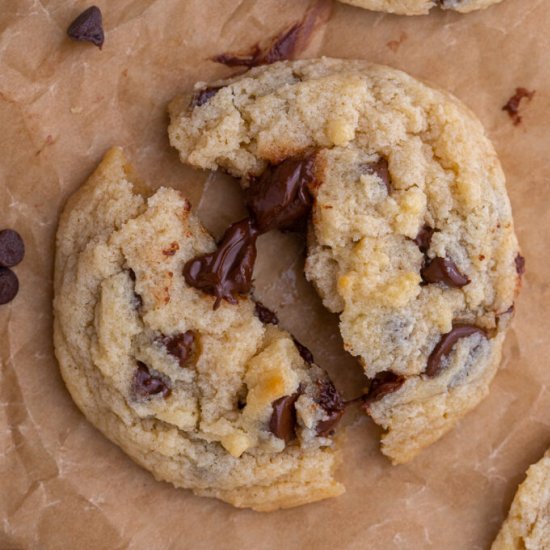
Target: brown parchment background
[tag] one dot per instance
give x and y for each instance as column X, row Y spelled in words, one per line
column 62, row 104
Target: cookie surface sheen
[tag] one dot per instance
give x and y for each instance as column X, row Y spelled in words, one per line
column 528, row 524
column 186, row 391
column 421, row 7
column 393, row 157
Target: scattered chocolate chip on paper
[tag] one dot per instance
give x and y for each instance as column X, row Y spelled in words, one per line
column 88, row 27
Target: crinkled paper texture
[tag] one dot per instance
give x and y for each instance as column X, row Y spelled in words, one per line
column 62, row 104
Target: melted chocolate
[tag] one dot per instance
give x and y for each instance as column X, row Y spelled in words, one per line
column 380, row 169
column 265, row 315
column 284, row 46
column 443, row 270
column 304, row 352
column 332, row 403
column 88, row 27
column 512, row 105
column 424, row 238
column 181, row 346
column 204, row 95
column 381, row 385
column 446, row 343
column 251, row 59
column 227, row 272
column 520, row 264
column 146, row 384
column 280, row 198
column 283, row 418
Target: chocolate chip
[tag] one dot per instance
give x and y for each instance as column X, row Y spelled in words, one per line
column 512, row 105
column 446, row 343
column 88, row 27
column 333, row 405
column 265, row 315
column 280, row 198
column 443, row 270
column 181, row 346
column 379, row 169
column 381, row 385
column 306, row 355
column 282, row 423
column 12, row 248
column 146, row 384
column 9, row 285
column 204, row 95
column 520, row 264
column 227, row 272
column 424, row 238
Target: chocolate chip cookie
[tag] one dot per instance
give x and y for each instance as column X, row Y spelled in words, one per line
column 211, row 399
column 411, row 238
column 528, row 524
column 421, row 7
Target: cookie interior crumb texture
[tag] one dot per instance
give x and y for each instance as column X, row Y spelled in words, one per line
column 394, row 158
column 187, row 391
column 528, row 524
column 421, row 7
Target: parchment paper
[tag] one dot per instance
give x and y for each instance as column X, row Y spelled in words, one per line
column 62, row 104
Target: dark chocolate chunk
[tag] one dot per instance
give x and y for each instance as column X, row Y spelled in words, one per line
column 227, row 272
column 520, row 264
column 9, row 285
column 204, row 95
column 424, row 238
column 12, row 248
column 380, row 169
column 512, row 105
column 332, row 403
column 181, row 346
column 280, row 198
column 146, row 384
column 265, row 315
column 381, row 385
column 446, row 343
column 305, row 354
column 88, row 27
column 443, row 270
column 283, row 418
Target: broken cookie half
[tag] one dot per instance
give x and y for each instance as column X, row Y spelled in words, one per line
column 411, row 238
column 212, row 400
column 527, row 526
